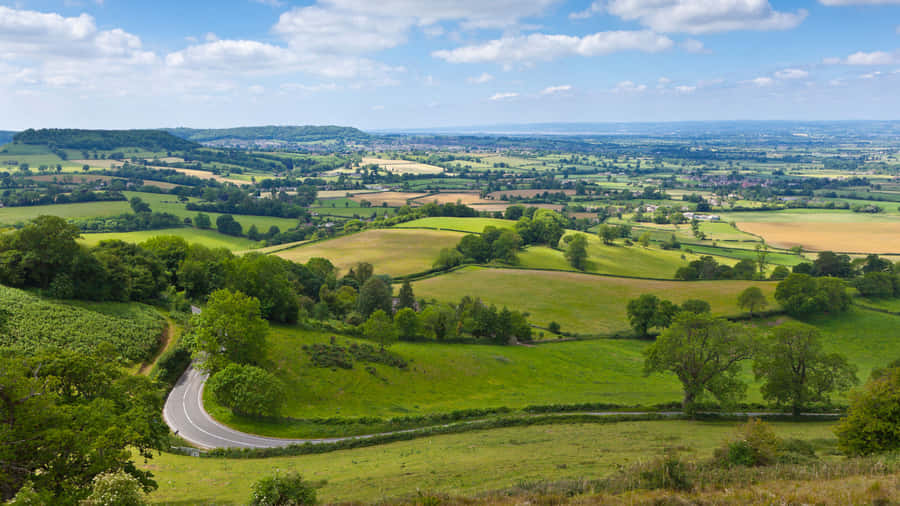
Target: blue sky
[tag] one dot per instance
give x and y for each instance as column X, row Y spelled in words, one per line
column 381, row 64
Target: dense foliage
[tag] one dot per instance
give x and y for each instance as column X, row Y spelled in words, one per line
column 151, row 140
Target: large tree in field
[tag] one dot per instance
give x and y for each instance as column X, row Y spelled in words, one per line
column 705, row 354
column 375, row 294
column 576, row 252
column 752, row 299
column 649, row 311
column 230, row 330
column 796, row 372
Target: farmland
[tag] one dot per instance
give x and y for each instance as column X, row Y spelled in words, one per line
column 581, row 303
column 208, row 238
column 393, row 251
column 872, row 237
column 474, row 225
column 402, row 166
column 469, row 463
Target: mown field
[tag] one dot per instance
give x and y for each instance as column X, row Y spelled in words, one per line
column 208, row 238
column 869, row 237
column 474, row 225
column 581, row 303
column 469, row 463
column 37, row 323
column 392, row 251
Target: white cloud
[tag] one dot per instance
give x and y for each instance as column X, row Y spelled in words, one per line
column 761, row 82
column 320, row 30
column 483, row 78
column 705, row 16
column 873, row 58
column 685, row 89
column 504, row 96
column 596, row 7
column 543, row 47
column 694, row 46
column 552, row 90
column 629, row 87
column 870, row 75
column 791, row 74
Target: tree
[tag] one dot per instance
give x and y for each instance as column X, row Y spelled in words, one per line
column 283, row 490
column 202, row 221
column 46, row 245
column 67, row 417
column 474, row 248
column 247, row 390
column 253, row 233
column 439, row 321
column 576, row 252
column 872, row 424
column 644, row 239
column 407, row 322
column 375, row 295
column 139, row 206
column 649, row 311
column 695, row 306
column 608, row 233
column 230, row 329
column 226, row 224
column 406, row 297
column 796, row 372
column 751, row 299
column 876, row 284
column 779, row 272
column 705, row 354
column 745, row 269
column 828, row 263
column 447, row 258
column 802, row 294
column 762, row 254
column 380, row 329
column 115, row 489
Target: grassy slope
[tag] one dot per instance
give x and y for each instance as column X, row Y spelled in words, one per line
column 391, row 251
column 208, row 238
column 460, row 464
column 581, row 303
column 475, row 225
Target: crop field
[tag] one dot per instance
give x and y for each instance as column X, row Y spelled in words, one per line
column 467, row 198
column 203, row 174
column 498, row 195
column 392, row 251
column 581, row 303
column 402, row 166
column 468, row 463
column 869, row 237
column 475, row 225
column 502, row 207
column 393, row 199
column 12, row 215
column 36, row 323
column 208, row 238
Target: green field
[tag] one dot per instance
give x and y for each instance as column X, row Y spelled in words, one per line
column 867, row 338
column 392, row 251
column 208, row 238
column 475, row 225
column 468, row 463
column 581, row 303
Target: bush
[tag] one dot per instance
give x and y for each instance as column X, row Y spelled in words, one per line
column 755, row 445
column 172, row 364
column 115, row 489
column 667, row 472
column 873, row 421
column 247, row 390
column 284, row 490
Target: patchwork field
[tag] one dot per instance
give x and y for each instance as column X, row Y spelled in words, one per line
column 452, row 198
column 402, row 166
column 870, row 237
column 525, row 193
column 392, row 251
column 208, row 238
column 581, row 303
column 12, row 215
column 393, row 199
column 468, row 463
column 475, row 225
column 502, row 207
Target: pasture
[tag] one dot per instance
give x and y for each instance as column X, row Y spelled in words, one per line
column 402, row 166
column 469, row 463
column 498, row 195
column 474, row 225
column 13, row 215
column 208, row 238
column 392, row 199
column 392, row 251
column 467, row 198
column 581, row 303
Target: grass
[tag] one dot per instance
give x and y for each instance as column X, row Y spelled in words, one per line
column 862, row 236
column 169, row 204
column 208, row 238
column 474, row 225
column 773, row 257
column 13, row 215
column 581, row 303
column 469, row 463
column 392, row 251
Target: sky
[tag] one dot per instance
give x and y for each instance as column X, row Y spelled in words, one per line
column 397, row 64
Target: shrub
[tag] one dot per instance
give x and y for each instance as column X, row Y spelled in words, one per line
column 755, row 445
column 115, row 489
column 172, row 364
column 284, row 490
column 872, row 424
column 247, row 390
column 667, row 472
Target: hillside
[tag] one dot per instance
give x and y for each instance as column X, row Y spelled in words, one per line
column 66, row 138
column 305, row 133
column 6, row 136
column 34, row 322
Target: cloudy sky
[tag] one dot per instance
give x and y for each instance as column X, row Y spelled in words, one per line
column 381, row 64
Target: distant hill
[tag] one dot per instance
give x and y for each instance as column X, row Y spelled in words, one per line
column 57, row 138
column 6, row 136
column 306, row 133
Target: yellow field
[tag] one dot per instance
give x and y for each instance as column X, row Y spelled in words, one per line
column 467, row 198
column 392, row 251
column 851, row 237
column 402, row 166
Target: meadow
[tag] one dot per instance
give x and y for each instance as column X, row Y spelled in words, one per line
column 581, row 303
column 474, row 225
column 208, row 238
column 869, row 237
column 469, row 463
column 402, row 166
column 392, row 251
